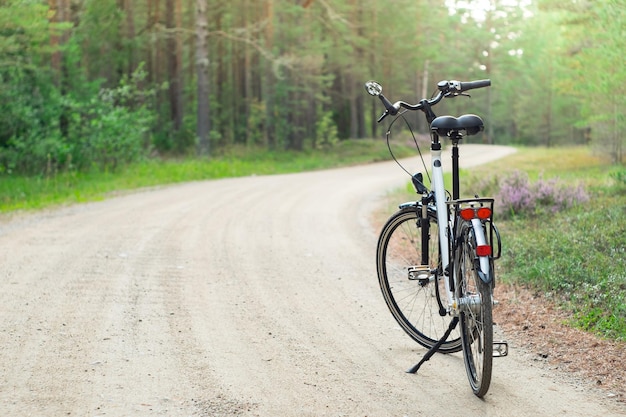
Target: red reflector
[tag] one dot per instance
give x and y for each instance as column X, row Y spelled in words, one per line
column 484, row 213
column 467, row 214
column 483, row 250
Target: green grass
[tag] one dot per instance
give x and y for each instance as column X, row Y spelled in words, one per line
column 28, row 193
column 575, row 164
column 576, row 257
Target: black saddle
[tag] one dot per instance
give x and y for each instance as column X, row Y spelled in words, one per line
column 470, row 124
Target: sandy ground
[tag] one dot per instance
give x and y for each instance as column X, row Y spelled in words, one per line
column 254, row 296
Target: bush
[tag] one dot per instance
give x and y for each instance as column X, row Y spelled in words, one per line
column 326, row 134
column 108, row 134
column 106, row 130
column 517, row 196
column 619, row 176
column 112, row 128
column 36, row 153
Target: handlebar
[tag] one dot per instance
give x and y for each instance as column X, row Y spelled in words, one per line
column 471, row 85
column 446, row 89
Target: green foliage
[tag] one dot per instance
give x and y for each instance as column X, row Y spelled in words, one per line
column 31, row 192
column 290, row 77
column 24, row 82
column 326, row 131
column 105, row 131
column 619, row 175
column 57, row 122
column 577, row 257
column 255, row 122
column 593, row 41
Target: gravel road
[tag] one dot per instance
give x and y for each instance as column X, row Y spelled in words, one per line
column 253, row 296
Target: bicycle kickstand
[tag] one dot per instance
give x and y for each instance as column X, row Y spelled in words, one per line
column 435, row 347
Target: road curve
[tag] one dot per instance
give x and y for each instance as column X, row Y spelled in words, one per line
column 253, row 296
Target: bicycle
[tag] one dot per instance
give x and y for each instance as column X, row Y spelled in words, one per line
column 435, row 256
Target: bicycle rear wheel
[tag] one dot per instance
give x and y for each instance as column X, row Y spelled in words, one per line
column 414, row 303
column 475, row 314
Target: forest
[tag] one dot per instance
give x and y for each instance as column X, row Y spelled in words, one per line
column 95, row 84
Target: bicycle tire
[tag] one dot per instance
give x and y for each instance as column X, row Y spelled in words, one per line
column 475, row 314
column 414, row 305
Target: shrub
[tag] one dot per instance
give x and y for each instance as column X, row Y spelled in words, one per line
column 326, row 134
column 50, row 133
column 518, row 196
column 619, row 176
column 112, row 128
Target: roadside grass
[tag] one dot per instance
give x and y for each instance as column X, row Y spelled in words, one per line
column 578, row 260
column 575, row 257
column 30, row 193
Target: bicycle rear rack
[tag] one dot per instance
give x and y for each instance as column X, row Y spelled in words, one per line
column 492, row 234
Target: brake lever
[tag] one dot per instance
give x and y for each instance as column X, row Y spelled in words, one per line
column 455, row 94
column 385, row 114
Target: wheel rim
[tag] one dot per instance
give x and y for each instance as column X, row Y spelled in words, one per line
column 413, row 303
column 476, row 324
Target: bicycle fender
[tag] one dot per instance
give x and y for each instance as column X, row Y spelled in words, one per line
column 417, row 205
column 484, row 272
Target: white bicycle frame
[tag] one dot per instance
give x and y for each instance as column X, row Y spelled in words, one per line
column 445, row 233
column 446, row 223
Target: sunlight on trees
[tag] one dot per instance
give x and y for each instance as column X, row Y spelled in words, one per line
column 288, row 74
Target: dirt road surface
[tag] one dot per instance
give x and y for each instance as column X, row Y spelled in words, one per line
column 253, row 296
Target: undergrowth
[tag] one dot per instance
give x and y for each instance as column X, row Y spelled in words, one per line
column 578, row 259
column 563, row 225
column 19, row 192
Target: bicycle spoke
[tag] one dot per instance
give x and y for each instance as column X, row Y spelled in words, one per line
column 412, row 301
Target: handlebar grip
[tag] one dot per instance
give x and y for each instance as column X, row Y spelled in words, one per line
column 471, row 85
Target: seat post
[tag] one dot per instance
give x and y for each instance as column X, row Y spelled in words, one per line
column 455, row 169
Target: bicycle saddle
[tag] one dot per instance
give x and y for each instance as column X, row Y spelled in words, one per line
column 453, row 126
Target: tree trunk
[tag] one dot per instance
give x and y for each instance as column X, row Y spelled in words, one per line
column 247, row 91
column 174, row 64
column 217, row 14
column 354, row 117
column 155, row 58
column 61, row 13
column 422, row 123
column 55, row 40
column 490, row 51
column 130, row 35
column 202, row 65
column 269, row 81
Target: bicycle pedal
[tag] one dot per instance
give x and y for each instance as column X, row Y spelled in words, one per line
column 500, row 349
column 419, row 273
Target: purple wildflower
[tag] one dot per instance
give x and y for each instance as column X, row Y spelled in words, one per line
column 517, row 196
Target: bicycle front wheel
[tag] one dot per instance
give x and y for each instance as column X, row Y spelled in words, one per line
column 475, row 313
column 414, row 303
